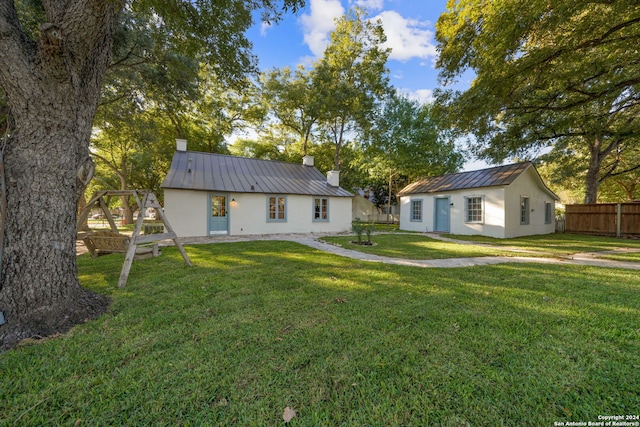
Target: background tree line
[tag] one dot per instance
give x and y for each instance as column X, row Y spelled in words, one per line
column 340, row 109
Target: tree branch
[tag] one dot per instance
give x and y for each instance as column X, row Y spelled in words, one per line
column 16, row 52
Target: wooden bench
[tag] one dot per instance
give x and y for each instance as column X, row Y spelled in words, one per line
column 108, row 242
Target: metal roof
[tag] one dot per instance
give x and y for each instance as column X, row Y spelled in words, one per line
column 192, row 170
column 491, row 177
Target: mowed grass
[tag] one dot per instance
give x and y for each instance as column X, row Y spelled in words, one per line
column 558, row 243
column 416, row 246
column 413, row 246
column 255, row 327
column 627, row 257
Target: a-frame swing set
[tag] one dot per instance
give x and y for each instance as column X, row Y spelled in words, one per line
column 102, row 242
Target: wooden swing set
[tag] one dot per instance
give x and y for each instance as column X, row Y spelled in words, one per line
column 136, row 246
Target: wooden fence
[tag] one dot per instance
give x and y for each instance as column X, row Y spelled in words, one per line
column 604, row 219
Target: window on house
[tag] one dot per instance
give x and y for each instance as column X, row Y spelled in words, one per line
column 473, row 206
column 277, row 208
column 416, row 210
column 320, row 209
column 548, row 212
column 524, row 210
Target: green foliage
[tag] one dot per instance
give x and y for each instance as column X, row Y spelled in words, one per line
column 259, row 326
column 292, row 101
column 335, row 100
column 558, row 74
column 358, row 226
column 351, row 78
column 404, row 143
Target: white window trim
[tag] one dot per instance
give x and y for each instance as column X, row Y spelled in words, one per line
column 411, row 210
column 466, row 209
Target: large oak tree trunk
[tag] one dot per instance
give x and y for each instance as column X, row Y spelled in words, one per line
column 52, row 87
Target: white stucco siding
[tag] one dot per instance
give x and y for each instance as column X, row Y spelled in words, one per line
column 493, row 212
column 249, row 215
column 527, row 185
column 493, row 217
column 423, row 225
column 187, row 211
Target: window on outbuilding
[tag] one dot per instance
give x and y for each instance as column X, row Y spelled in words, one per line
column 276, row 209
column 548, row 212
column 524, row 210
column 474, row 210
column 416, row 210
column 320, row 209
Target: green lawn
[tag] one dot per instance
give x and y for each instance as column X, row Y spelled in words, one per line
column 627, row 257
column 558, row 243
column 416, row 246
column 413, row 246
column 259, row 326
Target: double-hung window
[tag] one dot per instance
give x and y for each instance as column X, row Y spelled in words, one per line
column 320, row 209
column 524, row 210
column 276, row 209
column 473, row 209
column 548, row 212
column 416, row 210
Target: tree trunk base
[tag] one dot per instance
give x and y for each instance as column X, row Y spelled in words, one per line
column 89, row 306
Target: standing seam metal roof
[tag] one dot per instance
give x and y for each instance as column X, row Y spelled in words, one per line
column 491, row 177
column 218, row 172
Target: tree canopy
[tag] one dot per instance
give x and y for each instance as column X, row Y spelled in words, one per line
column 547, row 74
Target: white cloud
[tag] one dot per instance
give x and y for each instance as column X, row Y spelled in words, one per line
column 408, row 38
column 320, row 23
column 369, row 4
column 264, row 27
column 423, row 96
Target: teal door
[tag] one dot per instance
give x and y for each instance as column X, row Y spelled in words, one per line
column 218, row 214
column 441, row 218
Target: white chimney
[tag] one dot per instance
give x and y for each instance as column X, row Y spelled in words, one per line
column 333, row 178
column 181, row 144
column 307, row 160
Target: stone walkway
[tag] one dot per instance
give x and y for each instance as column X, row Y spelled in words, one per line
column 311, row 240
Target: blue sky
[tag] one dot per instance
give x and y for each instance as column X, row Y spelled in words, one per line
column 408, row 24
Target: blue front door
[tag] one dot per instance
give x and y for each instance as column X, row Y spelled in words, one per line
column 218, row 214
column 441, row 218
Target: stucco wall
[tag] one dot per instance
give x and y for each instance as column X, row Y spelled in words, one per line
column 493, row 220
column 527, row 185
column 188, row 213
column 493, row 213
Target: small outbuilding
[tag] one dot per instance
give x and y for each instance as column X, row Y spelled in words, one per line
column 503, row 202
column 209, row 194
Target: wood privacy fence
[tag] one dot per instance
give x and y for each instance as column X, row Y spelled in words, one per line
column 604, row 219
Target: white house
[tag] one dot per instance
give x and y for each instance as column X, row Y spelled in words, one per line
column 504, row 201
column 212, row 194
